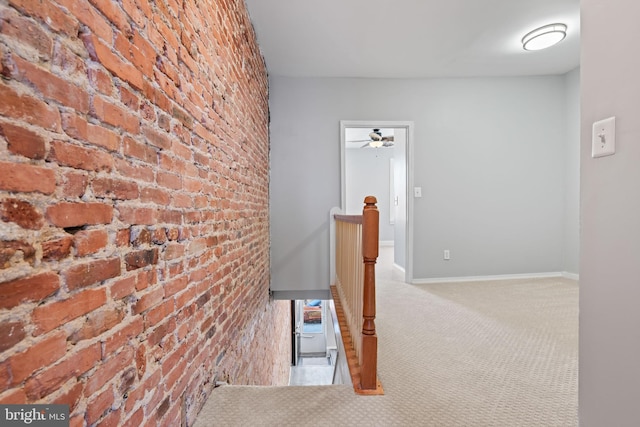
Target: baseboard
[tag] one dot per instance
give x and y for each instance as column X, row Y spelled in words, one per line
column 486, row 278
column 572, row 276
column 398, row 268
column 386, row 243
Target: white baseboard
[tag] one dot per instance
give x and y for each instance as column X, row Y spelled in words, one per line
column 497, row 277
column 572, row 276
column 385, row 243
column 396, row 267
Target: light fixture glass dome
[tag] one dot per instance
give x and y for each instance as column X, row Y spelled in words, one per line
column 544, row 37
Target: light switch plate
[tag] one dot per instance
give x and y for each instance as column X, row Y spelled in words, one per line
column 603, row 138
column 417, row 192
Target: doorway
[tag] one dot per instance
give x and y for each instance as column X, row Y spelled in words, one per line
column 315, row 351
column 376, row 157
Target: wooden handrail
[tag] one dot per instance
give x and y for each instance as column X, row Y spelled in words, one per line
column 349, row 219
column 354, row 293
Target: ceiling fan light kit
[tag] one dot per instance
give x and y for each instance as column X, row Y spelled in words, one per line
column 544, row 37
column 376, row 140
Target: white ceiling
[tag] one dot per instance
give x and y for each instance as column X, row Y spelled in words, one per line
column 412, row 38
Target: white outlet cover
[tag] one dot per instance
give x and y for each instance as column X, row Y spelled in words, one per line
column 603, row 138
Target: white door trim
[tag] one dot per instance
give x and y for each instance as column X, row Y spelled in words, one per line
column 408, row 125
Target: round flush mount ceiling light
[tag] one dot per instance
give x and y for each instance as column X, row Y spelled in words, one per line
column 544, row 37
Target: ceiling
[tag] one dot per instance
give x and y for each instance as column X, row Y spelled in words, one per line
column 412, row 38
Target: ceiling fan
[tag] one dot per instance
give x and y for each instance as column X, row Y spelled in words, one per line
column 376, row 140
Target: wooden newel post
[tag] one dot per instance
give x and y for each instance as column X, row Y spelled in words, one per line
column 370, row 221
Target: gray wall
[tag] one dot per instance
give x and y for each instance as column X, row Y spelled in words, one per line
column 489, row 154
column 571, row 243
column 610, row 218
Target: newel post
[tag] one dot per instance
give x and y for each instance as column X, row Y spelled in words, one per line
column 370, row 220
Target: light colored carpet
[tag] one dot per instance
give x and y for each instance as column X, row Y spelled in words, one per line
column 500, row 353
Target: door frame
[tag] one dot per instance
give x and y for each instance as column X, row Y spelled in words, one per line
column 408, row 126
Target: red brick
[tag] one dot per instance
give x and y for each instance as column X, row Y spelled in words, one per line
column 115, row 115
column 89, row 242
column 56, row 249
column 155, row 195
column 101, row 80
column 132, row 54
column 103, row 137
column 159, row 236
column 141, row 258
column 97, row 323
column 123, row 237
column 22, row 213
column 15, row 396
column 143, row 216
column 147, row 111
column 141, row 361
column 159, row 313
column 141, row 172
column 42, row 354
column 169, row 180
column 113, row 13
column 136, row 419
column 89, row 16
column 79, row 214
column 11, row 333
column 18, row 27
column 147, row 301
column 111, row 367
column 50, row 379
column 80, row 157
column 174, row 286
column 71, row 397
column 115, row 188
column 33, row 288
column 157, row 138
column 123, row 287
column 112, row 62
column 140, row 151
column 83, row 275
column 50, row 13
column 146, row 279
column 122, row 336
column 26, row 178
column 162, row 333
column 74, row 125
column 52, row 86
column 112, row 419
column 68, row 63
column 50, row 316
column 74, row 184
column 23, row 141
column 140, row 236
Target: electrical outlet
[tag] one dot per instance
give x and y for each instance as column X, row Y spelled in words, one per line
column 447, row 254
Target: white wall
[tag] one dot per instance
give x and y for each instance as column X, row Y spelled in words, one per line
column 367, row 174
column 610, row 218
column 489, row 156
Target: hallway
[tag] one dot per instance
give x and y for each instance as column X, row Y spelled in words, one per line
column 500, row 353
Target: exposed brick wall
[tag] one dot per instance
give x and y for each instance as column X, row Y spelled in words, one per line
column 134, row 236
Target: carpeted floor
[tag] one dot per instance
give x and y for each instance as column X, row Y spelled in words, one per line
column 500, row 353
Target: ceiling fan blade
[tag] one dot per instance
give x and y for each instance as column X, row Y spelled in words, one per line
column 360, row 140
column 365, row 145
column 388, row 138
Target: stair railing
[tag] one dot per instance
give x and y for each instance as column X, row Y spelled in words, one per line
column 356, row 249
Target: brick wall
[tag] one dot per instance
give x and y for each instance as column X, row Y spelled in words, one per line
column 134, row 236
